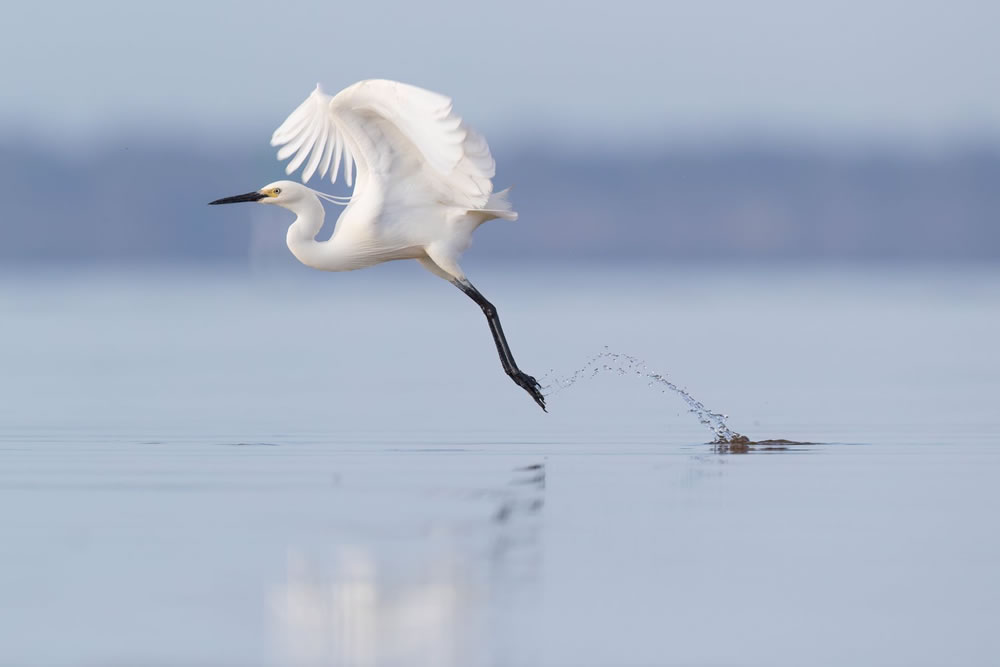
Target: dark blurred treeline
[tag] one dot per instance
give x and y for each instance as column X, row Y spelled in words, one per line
column 137, row 200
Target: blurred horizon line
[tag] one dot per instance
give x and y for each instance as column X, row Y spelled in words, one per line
column 145, row 196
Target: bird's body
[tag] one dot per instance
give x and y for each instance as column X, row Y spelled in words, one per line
column 424, row 184
column 374, row 228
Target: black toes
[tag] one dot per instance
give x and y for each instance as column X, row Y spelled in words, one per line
column 530, row 385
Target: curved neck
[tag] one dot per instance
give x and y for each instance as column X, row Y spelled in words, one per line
column 301, row 236
column 335, row 254
column 310, row 215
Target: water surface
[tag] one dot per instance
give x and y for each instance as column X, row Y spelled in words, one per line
column 271, row 468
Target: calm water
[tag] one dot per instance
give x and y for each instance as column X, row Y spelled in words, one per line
column 287, row 468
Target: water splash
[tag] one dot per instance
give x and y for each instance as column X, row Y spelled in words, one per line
column 624, row 365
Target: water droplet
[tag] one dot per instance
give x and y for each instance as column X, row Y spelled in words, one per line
column 624, row 364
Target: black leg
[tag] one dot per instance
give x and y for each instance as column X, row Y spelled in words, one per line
column 523, row 380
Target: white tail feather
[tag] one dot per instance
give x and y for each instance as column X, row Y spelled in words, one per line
column 497, row 206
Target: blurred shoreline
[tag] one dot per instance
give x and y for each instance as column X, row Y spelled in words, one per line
column 144, row 200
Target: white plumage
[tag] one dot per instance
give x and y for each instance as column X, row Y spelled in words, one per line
column 424, row 183
column 376, row 123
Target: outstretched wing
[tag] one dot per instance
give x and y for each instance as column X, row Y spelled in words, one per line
column 381, row 124
column 311, row 132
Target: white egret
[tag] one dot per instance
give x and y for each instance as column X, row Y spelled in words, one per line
column 424, row 184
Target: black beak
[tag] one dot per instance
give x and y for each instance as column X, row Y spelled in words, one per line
column 236, row 199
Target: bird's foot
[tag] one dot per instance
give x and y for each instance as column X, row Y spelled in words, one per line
column 530, row 385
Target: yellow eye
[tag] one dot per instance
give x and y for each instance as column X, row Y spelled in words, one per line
column 276, row 191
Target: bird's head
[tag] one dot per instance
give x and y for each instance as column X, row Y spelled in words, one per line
column 282, row 193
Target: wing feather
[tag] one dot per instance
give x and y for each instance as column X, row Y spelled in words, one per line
column 338, row 154
column 310, row 139
column 348, row 166
column 455, row 160
column 317, row 152
column 305, row 132
column 324, row 164
column 295, row 144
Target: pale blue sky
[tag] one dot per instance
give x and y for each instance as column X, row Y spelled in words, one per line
column 584, row 72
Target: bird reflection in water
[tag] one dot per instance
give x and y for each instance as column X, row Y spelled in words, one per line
column 360, row 614
column 440, row 600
